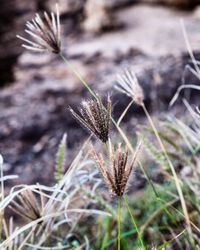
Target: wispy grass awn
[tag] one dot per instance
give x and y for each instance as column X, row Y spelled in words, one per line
column 44, row 32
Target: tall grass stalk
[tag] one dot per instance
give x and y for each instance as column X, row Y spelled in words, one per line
column 177, row 182
column 134, row 223
column 119, row 222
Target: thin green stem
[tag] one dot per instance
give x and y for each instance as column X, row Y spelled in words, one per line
column 177, row 182
column 105, row 238
column 78, row 75
column 134, row 223
column 119, row 221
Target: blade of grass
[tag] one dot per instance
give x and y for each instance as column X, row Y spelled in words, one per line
column 134, row 223
column 176, row 179
column 105, row 239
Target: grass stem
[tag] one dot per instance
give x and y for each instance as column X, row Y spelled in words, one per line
column 78, row 75
column 134, row 223
column 119, row 222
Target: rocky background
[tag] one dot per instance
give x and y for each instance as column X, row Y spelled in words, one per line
column 100, row 38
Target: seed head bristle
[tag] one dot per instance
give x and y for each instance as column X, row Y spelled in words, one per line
column 45, row 33
column 95, row 117
column 128, row 84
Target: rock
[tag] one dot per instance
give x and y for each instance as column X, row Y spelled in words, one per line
column 66, row 7
column 112, row 4
column 161, row 24
column 175, row 3
column 98, row 17
column 197, row 13
column 10, row 25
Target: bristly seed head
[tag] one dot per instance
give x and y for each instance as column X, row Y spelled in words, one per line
column 45, row 33
column 128, row 84
column 95, row 117
column 27, row 206
column 117, row 174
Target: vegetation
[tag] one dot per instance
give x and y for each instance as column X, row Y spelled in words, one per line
column 78, row 212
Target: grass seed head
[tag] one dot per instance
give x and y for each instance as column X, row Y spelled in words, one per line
column 128, row 84
column 27, row 206
column 44, row 32
column 95, row 117
column 117, row 174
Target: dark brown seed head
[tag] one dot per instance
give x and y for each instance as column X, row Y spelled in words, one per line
column 117, row 173
column 95, row 117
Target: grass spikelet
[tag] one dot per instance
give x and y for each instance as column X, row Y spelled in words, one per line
column 117, row 173
column 60, row 159
column 95, row 118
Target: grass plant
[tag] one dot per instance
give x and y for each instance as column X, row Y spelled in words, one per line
column 77, row 212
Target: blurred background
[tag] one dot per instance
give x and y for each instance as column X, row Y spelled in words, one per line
column 100, row 38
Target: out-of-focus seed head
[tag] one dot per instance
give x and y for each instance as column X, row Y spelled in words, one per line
column 117, row 173
column 95, row 117
column 27, row 206
column 44, row 32
column 128, row 84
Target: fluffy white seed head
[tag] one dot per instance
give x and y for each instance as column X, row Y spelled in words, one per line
column 128, row 84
